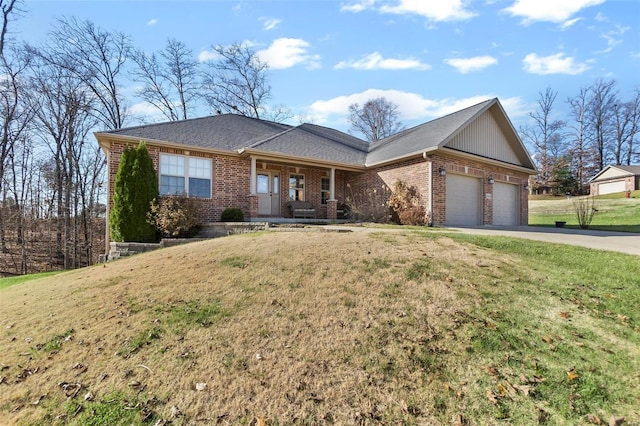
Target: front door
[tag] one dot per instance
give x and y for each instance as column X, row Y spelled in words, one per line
column 268, row 188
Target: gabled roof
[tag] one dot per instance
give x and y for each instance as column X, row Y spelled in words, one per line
column 428, row 135
column 243, row 135
column 613, row 172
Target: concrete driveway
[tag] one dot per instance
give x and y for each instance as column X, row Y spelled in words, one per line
column 622, row 242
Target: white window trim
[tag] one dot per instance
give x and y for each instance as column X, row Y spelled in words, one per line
column 186, row 172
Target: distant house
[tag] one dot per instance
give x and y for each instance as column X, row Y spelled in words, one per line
column 615, row 179
column 470, row 167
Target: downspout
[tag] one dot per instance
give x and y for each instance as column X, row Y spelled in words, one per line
column 107, row 234
column 430, row 198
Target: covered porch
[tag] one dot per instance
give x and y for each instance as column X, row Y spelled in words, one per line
column 275, row 184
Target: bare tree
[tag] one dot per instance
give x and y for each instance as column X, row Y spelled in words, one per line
column 545, row 136
column 169, row 78
column 8, row 8
column 97, row 57
column 581, row 150
column 376, row 119
column 600, row 118
column 64, row 107
column 236, row 82
column 15, row 116
column 626, row 117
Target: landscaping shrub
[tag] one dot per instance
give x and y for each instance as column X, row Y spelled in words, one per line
column 585, row 209
column 136, row 185
column 232, row 215
column 368, row 204
column 406, row 205
column 175, row 216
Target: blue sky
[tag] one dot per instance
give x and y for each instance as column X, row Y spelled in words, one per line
column 430, row 57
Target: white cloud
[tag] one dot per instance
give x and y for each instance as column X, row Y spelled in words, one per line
column 270, row 23
column 554, row 64
column 433, row 10
column 439, row 10
column 569, row 23
column 411, row 106
column 557, row 11
column 614, row 38
column 207, row 55
column 358, row 6
column 288, row 52
column 376, row 61
column 467, row 65
column 152, row 22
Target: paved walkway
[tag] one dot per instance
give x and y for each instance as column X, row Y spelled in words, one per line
column 624, row 242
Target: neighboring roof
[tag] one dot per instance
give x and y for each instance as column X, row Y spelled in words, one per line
column 613, row 172
column 230, row 132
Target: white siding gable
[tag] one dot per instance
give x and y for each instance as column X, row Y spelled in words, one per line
column 484, row 137
column 613, row 172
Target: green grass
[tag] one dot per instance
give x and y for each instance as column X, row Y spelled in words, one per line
column 10, row 281
column 615, row 213
column 580, row 304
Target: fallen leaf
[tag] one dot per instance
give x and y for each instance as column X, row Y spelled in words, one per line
column 523, row 388
column 593, row 419
column 491, row 397
column 565, row 314
column 259, row 421
column 623, row 318
column 572, row 375
column 616, row 421
column 547, row 339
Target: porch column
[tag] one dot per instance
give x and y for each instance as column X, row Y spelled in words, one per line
column 252, row 184
column 332, row 203
column 332, row 184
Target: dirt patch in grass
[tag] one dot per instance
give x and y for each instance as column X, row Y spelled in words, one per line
column 313, row 328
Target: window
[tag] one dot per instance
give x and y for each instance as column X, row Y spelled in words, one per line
column 296, row 187
column 325, row 192
column 185, row 175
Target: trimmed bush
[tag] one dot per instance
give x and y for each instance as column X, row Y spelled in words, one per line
column 136, row 185
column 175, row 216
column 232, row 215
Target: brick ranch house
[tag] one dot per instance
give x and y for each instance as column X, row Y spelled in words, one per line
column 470, row 167
column 613, row 179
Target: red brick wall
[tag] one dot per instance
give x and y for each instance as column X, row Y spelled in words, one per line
column 415, row 172
column 231, row 181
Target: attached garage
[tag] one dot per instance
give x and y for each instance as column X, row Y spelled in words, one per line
column 506, row 204
column 464, row 200
column 611, row 187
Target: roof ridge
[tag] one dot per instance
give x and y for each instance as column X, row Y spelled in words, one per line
column 268, row 138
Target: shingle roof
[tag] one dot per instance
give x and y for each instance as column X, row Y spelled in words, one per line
column 428, row 135
column 235, row 133
column 226, row 131
column 631, row 170
column 316, row 142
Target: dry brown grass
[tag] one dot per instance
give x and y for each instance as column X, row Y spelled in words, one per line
column 312, row 328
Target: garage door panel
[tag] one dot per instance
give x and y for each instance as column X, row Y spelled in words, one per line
column 506, row 204
column 464, row 196
column 611, row 187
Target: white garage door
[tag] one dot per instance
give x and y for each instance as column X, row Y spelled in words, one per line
column 611, row 187
column 464, row 196
column 506, row 204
